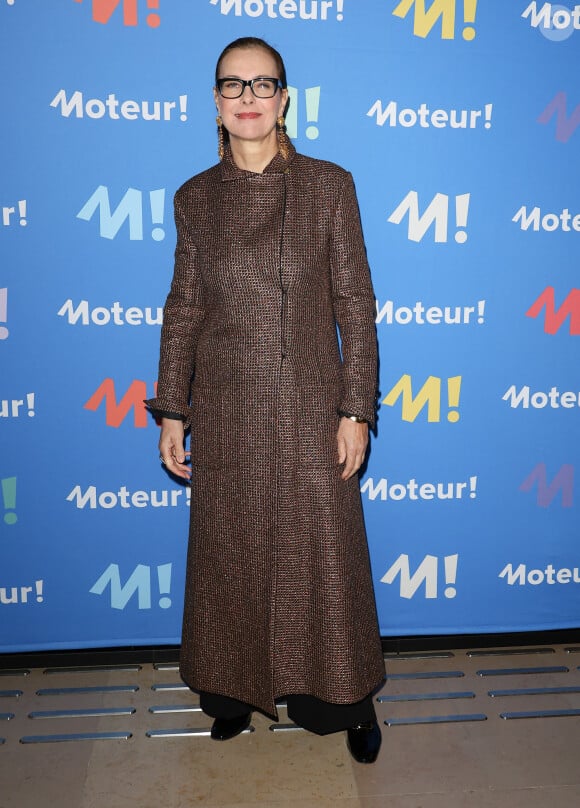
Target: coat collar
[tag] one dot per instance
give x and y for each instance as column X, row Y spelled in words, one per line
column 277, row 165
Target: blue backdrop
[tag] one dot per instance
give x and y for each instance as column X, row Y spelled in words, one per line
column 460, row 121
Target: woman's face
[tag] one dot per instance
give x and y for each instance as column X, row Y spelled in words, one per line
column 248, row 118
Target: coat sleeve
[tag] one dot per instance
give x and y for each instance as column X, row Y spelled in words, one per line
column 183, row 315
column 354, row 307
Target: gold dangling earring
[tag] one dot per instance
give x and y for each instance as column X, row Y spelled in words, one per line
column 283, row 140
column 220, row 127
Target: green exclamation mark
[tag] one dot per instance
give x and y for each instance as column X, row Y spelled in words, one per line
column 312, row 107
column 9, row 495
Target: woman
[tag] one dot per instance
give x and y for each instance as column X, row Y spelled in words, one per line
column 269, row 260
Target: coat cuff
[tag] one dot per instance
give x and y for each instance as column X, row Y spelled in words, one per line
column 161, row 408
column 367, row 413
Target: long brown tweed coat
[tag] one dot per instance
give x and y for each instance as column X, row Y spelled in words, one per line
column 279, row 597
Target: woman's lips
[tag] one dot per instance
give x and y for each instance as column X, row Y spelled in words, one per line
column 248, row 116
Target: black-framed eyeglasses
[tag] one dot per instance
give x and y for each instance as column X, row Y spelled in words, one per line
column 262, row 86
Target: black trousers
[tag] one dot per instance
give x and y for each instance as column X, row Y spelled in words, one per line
column 308, row 712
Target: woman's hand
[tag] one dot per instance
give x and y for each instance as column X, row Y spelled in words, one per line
column 171, row 451
column 352, row 439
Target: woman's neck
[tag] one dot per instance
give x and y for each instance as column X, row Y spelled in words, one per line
column 252, row 156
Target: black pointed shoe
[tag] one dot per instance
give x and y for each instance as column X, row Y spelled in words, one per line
column 364, row 741
column 225, row 728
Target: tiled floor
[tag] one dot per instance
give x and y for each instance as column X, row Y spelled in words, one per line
column 447, row 741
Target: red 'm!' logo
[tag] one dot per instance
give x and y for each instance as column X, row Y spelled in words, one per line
column 103, row 10
column 554, row 318
column 116, row 412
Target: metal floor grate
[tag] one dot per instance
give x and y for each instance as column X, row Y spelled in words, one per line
column 124, row 702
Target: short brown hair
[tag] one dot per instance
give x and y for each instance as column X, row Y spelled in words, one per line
column 253, row 42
